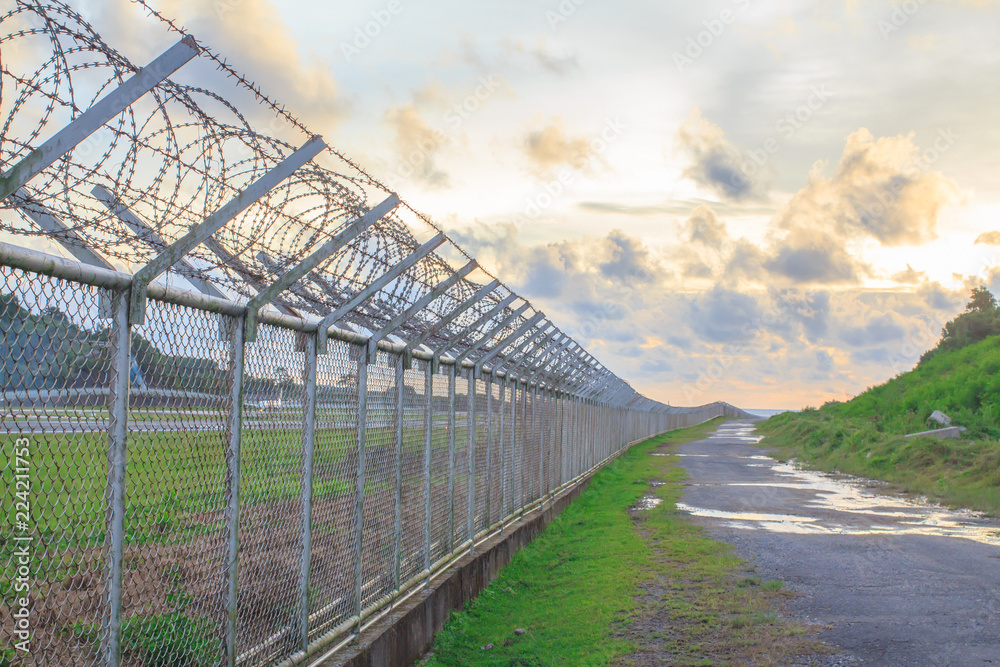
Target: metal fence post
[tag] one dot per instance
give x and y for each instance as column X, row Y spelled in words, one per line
column 428, row 424
column 471, row 418
column 515, row 494
column 397, row 529
column 235, row 429
column 502, row 457
column 535, row 444
column 117, row 459
column 308, row 451
column 489, row 452
column 359, row 498
column 451, row 457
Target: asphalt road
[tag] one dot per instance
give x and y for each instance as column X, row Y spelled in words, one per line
column 899, row 583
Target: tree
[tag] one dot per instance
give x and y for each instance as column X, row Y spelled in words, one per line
column 980, row 320
column 982, row 301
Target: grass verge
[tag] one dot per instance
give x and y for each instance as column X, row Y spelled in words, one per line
column 595, row 586
column 960, row 473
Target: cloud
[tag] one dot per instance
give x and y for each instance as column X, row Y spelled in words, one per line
column 704, row 227
column 417, row 144
column 814, row 257
column 715, row 163
column 910, row 276
column 989, row 238
column 882, row 188
column 559, row 64
column 722, row 315
column 550, row 147
column 876, row 331
column 252, row 37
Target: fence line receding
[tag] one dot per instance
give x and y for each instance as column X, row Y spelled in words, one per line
column 251, row 398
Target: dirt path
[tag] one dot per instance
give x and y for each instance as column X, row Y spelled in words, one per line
column 898, row 583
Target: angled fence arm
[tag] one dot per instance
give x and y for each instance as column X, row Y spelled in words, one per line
column 276, row 269
column 551, row 355
column 569, row 382
column 602, row 382
column 560, row 362
column 66, row 237
column 105, row 109
column 539, row 359
column 419, row 305
column 151, row 237
column 296, row 273
column 489, row 333
column 453, row 315
column 475, row 325
column 376, row 286
column 514, row 357
column 213, row 223
column 584, row 377
column 606, row 391
column 499, row 347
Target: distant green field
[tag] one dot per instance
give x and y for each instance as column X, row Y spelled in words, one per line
column 174, row 475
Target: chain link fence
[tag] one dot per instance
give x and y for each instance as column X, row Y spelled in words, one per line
column 251, row 399
column 252, row 504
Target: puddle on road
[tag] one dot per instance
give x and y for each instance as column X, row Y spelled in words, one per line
column 646, row 503
column 739, row 432
column 860, row 510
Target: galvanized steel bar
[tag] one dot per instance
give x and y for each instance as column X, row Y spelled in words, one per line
column 377, row 285
column 451, row 457
column 397, row 524
column 488, row 521
column 213, row 223
column 353, row 229
column 490, row 333
column 471, row 493
column 309, row 374
column 420, row 304
column 233, row 461
column 117, row 461
column 428, row 424
column 433, row 330
column 359, row 491
column 109, row 106
column 151, row 237
column 454, row 340
column 64, row 235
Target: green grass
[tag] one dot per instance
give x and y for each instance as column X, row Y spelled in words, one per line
column 577, row 587
column 864, row 436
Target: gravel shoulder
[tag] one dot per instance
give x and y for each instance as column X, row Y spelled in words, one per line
column 897, row 582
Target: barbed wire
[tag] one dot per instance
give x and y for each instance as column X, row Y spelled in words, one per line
column 182, row 151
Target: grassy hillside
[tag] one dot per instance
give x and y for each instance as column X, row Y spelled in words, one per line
column 864, row 436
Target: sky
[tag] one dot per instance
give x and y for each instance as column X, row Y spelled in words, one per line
column 772, row 204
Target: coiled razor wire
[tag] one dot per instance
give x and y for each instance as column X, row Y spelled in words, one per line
column 179, row 153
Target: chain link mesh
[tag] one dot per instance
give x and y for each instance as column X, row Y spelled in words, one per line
column 177, row 495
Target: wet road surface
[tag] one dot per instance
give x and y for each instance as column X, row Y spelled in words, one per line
column 900, row 583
